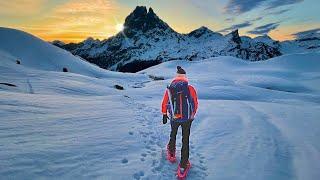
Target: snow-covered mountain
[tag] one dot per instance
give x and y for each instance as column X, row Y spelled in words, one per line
column 147, row 40
column 309, row 43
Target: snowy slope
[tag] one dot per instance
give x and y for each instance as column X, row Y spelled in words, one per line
column 257, row 120
column 36, row 53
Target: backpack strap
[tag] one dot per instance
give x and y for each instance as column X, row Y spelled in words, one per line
column 170, row 101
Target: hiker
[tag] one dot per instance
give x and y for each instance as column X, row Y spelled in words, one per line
column 179, row 104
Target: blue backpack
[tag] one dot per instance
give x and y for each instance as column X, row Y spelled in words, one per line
column 181, row 102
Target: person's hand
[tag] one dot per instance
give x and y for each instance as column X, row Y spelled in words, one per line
column 164, row 119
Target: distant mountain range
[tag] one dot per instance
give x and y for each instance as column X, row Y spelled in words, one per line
column 147, row 41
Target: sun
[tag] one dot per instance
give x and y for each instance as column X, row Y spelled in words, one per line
column 119, row 27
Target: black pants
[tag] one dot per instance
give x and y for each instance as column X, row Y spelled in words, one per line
column 185, row 140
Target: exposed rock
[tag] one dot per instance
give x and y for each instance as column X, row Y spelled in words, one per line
column 234, row 36
column 141, row 20
column 156, row 78
column 118, row 87
column 8, row 84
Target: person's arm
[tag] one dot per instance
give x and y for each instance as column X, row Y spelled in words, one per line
column 164, row 107
column 194, row 96
column 164, row 103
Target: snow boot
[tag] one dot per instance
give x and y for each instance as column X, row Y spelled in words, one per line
column 171, row 156
column 183, row 172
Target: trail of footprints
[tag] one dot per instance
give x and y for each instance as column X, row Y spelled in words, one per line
column 155, row 139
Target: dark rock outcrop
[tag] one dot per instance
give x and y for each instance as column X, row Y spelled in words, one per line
column 142, row 20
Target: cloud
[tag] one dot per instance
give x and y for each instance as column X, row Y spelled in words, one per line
column 307, row 33
column 236, row 26
column 83, row 12
column 242, row 6
column 274, row 4
column 80, row 19
column 230, row 19
column 20, row 8
column 77, row 7
column 256, row 19
column 75, row 20
column 279, row 12
column 265, row 29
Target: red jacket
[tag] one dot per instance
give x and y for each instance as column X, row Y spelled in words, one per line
column 193, row 94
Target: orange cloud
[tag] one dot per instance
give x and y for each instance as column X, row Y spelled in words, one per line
column 82, row 13
column 285, row 32
column 19, row 8
column 84, row 6
column 76, row 20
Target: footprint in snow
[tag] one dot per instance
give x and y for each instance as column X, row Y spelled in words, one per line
column 124, row 161
column 138, row 175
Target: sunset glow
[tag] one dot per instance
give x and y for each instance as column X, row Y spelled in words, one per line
column 119, row 27
column 76, row 20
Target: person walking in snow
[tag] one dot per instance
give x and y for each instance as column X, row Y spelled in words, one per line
column 179, row 104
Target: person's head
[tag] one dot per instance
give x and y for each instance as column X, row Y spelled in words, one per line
column 180, row 71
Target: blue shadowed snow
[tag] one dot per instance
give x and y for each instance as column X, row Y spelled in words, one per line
column 257, row 120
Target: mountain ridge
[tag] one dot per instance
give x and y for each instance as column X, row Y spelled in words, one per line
column 147, row 40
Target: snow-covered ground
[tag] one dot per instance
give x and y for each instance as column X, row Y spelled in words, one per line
column 257, row 120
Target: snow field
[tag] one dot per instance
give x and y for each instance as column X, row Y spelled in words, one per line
column 256, row 120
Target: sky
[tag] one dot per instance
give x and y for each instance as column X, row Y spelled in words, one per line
column 76, row 20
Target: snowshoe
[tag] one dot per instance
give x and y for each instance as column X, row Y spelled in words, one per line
column 182, row 173
column 171, row 156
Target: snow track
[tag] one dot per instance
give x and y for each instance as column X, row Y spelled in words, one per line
column 258, row 147
column 243, row 141
column 266, row 143
column 155, row 136
column 256, row 120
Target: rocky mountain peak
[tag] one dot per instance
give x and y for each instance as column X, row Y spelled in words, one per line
column 58, row 43
column 199, row 32
column 142, row 20
column 234, row 36
column 264, row 37
column 151, row 12
column 90, row 41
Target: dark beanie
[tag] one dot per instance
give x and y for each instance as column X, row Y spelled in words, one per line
column 180, row 70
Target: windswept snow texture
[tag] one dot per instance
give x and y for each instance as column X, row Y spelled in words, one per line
column 257, row 120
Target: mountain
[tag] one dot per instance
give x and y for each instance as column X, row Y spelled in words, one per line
column 147, row 40
column 307, row 43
